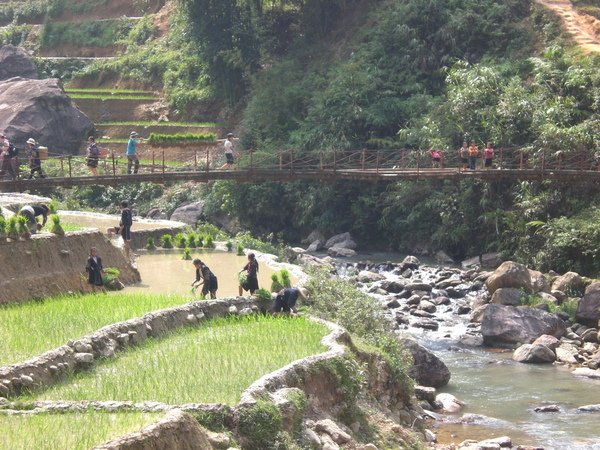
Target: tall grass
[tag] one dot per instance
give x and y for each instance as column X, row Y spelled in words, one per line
column 32, row 328
column 213, row 363
column 69, row 431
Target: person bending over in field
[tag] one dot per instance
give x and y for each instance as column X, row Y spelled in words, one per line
column 206, row 279
column 285, row 300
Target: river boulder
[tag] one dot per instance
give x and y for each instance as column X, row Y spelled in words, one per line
column 588, row 310
column 189, row 214
column 508, row 325
column 410, row 262
column 427, row 369
column 509, row 275
column 534, row 353
column 41, row 110
column 343, row 240
column 568, row 281
column 538, row 282
column 507, row 296
column 16, row 62
column 314, row 236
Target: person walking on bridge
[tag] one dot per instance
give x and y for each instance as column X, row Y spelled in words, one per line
column 132, row 159
column 9, row 160
column 463, row 154
column 488, row 156
column 436, row 157
column 92, row 156
column 35, row 163
column 473, row 154
column 229, row 151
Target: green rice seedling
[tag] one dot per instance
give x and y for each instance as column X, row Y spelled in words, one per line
column 80, row 431
column 213, row 363
column 180, row 240
column 165, row 139
column 240, row 250
column 110, row 274
column 166, row 241
column 58, row 319
column 276, row 285
column 2, row 227
column 23, row 226
column 208, row 228
column 242, row 277
column 150, row 245
column 187, row 254
column 12, row 229
column 284, row 278
column 56, row 226
column 208, row 241
column 229, row 246
column 53, row 207
column 263, row 294
column 103, row 97
column 191, row 240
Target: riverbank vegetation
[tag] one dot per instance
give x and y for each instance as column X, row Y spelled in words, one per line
column 214, row 363
column 80, row 431
column 58, row 319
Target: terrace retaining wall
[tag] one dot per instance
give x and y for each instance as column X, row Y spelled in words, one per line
column 52, row 366
column 48, row 265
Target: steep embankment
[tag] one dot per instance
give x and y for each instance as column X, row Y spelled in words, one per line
column 583, row 28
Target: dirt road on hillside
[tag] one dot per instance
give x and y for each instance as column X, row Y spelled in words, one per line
column 584, row 29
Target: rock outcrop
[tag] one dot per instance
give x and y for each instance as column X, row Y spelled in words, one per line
column 428, row 369
column 41, row 110
column 15, row 62
column 588, row 311
column 189, row 214
column 509, row 325
column 510, row 275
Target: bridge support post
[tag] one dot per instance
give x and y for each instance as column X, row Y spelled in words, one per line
column 321, row 160
column 163, row 161
column 291, row 160
column 334, row 160
column 251, row 159
column 402, row 156
column 378, row 160
column 70, row 172
column 195, row 160
column 62, row 166
column 280, row 160
column 207, row 160
column 114, row 165
column 362, row 158
column 521, row 159
column 153, row 161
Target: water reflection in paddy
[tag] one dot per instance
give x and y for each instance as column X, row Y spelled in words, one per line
column 169, row 273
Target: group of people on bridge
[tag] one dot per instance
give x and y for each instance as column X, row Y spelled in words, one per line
column 468, row 154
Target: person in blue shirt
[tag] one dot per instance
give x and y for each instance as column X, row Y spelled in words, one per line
column 132, row 159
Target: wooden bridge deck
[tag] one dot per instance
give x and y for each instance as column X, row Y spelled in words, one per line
column 265, row 175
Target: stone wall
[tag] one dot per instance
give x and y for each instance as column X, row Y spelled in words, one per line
column 48, row 265
column 52, row 366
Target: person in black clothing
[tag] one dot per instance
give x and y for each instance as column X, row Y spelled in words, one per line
column 32, row 212
column 35, row 163
column 9, row 161
column 251, row 269
column 285, row 300
column 94, row 268
column 206, row 279
column 125, row 226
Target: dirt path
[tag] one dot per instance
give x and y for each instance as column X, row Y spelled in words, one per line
column 584, row 29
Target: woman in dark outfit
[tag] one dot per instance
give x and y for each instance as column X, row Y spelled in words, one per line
column 206, row 278
column 94, row 268
column 251, row 269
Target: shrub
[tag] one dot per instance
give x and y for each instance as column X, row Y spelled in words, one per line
column 56, row 226
column 2, row 226
column 180, row 240
column 187, row 254
column 150, row 244
column 260, row 424
column 166, row 241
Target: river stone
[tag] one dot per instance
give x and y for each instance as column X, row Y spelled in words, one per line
column 341, row 252
column 549, row 341
column 16, row 62
column 426, row 324
column 531, row 353
column 343, row 240
column 503, row 325
column 314, row 236
column 442, row 257
column 507, row 296
column 538, row 282
column 418, row 286
column 366, row 276
column 427, row 306
column 190, row 213
column 589, row 408
column 410, row 262
column 41, row 110
column 315, row 246
column 547, row 408
column 568, row 281
column 588, row 310
column 585, row 372
column 567, row 353
column 427, row 369
column 328, row 426
column 590, row 335
column 394, row 287
column 393, row 304
column 450, row 404
column 425, row 393
column 510, row 274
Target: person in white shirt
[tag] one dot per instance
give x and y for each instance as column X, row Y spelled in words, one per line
column 229, row 151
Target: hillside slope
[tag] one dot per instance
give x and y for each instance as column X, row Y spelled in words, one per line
column 583, row 28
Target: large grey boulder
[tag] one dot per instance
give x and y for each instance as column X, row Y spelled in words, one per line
column 428, row 369
column 570, row 280
column 538, row 282
column 588, row 310
column 189, row 214
column 510, row 275
column 342, row 252
column 508, row 325
column 315, row 235
column 15, row 62
column 534, row 353
column 343, row 240
column 41, row 110
column 507, row 296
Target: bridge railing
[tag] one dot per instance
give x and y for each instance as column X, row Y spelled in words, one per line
column 290, row 160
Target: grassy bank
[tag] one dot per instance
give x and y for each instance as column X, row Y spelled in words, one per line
column 72, row 431
column 213, row 363
column 54, row 321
